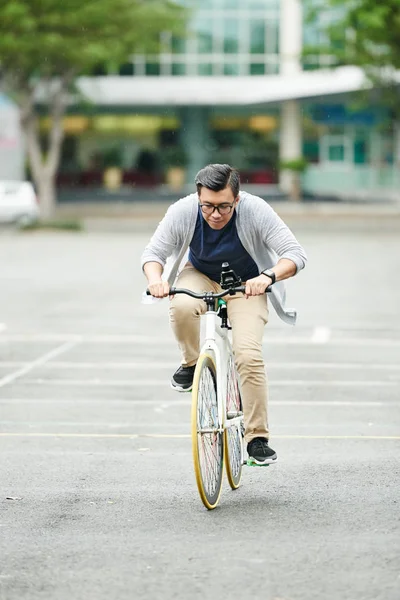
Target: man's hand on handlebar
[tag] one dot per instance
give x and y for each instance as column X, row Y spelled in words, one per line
column 257, row 286
column 159, row 289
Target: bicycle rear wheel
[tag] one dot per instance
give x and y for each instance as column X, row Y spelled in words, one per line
column 233, row 439
column 207, row 435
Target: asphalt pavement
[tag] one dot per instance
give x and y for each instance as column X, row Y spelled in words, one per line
column 97, row 491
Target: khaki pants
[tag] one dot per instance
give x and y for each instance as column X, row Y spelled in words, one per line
column 247, row 318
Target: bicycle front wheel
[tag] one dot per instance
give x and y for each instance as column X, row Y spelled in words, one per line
column 233, row 438
column 207, row 434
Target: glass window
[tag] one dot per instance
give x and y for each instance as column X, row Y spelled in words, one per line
column 361, row 147
column 337, row 148
column 257, row 37
column 205, row 69
column 360, row 152
column 257, row 69
column 231, row 69
column 311, row 151
column 152, row 68
column 272, row 38
column 204, row 37
column 178, row 69
column 336, row 152
column 387, row 147
column 177, row 45
column 231, row 36
column 127, row 69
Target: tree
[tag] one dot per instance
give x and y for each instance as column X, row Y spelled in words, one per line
column 46, row 44
column 363, row 33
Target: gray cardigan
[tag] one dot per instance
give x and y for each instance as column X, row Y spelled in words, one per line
column 261, row 231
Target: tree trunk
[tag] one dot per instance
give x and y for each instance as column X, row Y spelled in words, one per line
column 47, row 195
column 296, row 187
column 44, row 170
column 42, row 177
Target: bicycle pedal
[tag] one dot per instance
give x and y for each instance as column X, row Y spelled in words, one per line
column 250, row 463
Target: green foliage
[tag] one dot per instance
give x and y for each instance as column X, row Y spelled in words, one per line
column 174, row 156
column 113, row 158
column 46, row 38
column 372, row 33
column 361, row 32
column 364, row 33
column 298, row 165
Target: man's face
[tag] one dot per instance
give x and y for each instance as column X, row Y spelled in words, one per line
column 223, row 200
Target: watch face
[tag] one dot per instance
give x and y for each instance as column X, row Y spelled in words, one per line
column 270, row 274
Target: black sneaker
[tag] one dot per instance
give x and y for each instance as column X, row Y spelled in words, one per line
column 260, row 453
column 182, row 379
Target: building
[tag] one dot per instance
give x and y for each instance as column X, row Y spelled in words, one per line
column 235, row 90
column 11, row 142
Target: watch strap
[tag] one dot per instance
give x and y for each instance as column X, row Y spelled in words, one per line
column 270, row 274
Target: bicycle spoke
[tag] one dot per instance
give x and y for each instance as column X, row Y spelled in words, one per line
column 212, row 472
column 233, row 436
column 209, row 434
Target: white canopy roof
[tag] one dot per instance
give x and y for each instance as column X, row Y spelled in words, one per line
column 203, row 91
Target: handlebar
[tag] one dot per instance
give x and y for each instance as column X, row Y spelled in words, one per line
column 209, row 295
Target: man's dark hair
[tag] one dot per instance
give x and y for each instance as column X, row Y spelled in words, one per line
column 217, row 178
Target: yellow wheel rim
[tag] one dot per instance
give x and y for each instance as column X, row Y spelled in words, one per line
column 210, row 500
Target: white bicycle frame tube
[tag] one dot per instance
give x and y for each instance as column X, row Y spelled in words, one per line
column 217, row 343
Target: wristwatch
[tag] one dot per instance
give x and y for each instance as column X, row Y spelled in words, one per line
column 269, row 274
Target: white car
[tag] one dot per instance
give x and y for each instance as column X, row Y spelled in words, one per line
column 18, row 203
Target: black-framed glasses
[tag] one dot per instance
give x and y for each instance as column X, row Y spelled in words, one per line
column 223, row 209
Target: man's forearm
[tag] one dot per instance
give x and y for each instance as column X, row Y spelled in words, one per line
column 153, row 271
column 284, row 269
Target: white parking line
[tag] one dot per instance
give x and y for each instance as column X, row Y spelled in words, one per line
column 151, row 383
column 78, row 365
column 167, row 340
column 39, row 361
column 188, row 436
column 187, row 402
column 321, row 335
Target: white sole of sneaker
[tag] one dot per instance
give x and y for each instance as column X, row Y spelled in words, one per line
column 256, row 463
column 177, row 388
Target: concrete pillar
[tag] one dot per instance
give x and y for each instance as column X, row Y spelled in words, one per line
column 195, row 138
column 291, row 43
column 290, row 36
column 290, row 144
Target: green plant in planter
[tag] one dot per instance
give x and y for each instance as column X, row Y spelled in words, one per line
column 174, row 156
column 112, row 164
column 175, row 160
column 297, row 166
column 112, row 158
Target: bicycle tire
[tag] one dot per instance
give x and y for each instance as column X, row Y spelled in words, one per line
column 207, row 446
column 233, row 450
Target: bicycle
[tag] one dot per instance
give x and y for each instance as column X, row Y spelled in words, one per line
column 217, row 413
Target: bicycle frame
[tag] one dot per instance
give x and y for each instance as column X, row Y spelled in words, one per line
column 217, row 343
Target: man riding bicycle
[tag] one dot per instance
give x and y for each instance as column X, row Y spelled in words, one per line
column 198, row 233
